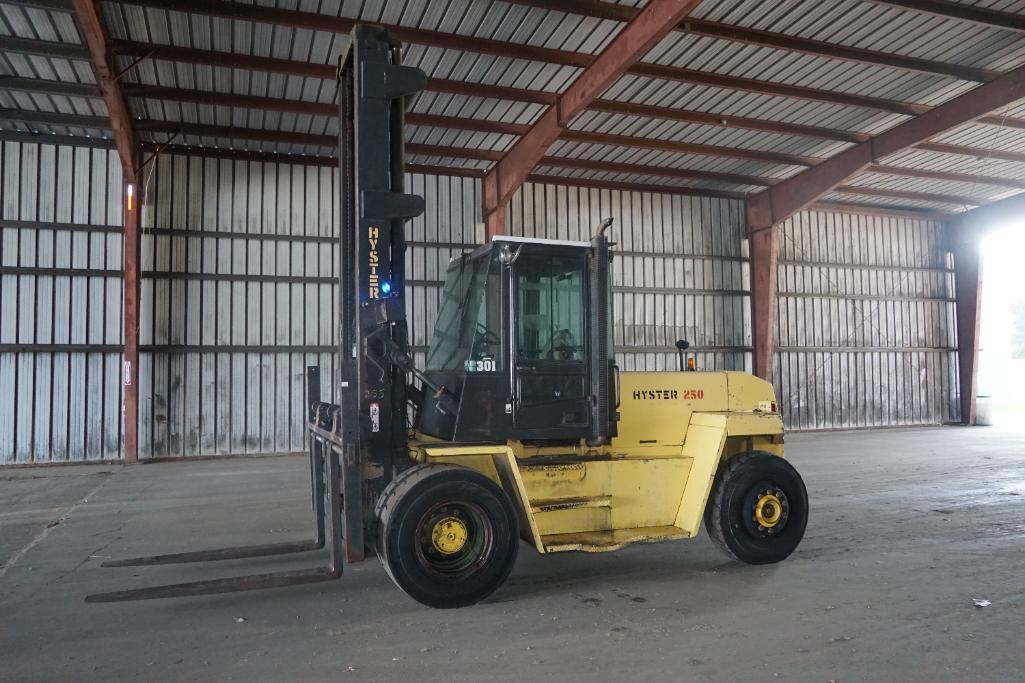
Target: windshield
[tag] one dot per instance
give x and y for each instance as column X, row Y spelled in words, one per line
column 467, row 333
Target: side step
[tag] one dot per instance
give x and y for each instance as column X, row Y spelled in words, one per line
column 606, row 541
column 556, row 504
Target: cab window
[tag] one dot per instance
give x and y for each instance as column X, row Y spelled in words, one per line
column 550, row 323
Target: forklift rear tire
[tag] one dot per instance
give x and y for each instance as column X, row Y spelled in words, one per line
column 758, row 509
column 447, row 535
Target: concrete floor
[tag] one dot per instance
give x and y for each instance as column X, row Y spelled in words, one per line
column 906, row 528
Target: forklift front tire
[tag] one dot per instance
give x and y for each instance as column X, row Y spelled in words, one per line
column 758, row 508
column 447, row 535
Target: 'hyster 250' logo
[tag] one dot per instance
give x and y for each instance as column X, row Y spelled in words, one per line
column 373, row 236
column 667, row 394
column 656, row 395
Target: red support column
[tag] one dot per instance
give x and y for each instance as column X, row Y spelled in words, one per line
column 494, row 210
column 130, row 371
column 94, row 32
column 968, row 294
column 763, row 238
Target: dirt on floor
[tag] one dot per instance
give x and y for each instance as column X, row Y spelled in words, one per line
column 908, row 529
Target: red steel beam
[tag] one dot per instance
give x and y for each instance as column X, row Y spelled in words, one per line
column 790, row 196
column 944, row 198
column 835, row 51
column 514, row 94
column 672, row 73
column 444, row 170
column 946, row 175
column 658, row 171
column 1003, row 121
column 457, row 87
column 284, row 66
column 236, row 133
column 487, row 126
column 267, row 135
column 316, row 21
column 441, row 151
column 296, row 68
column 656, row 19
column 228, row 60
column 869, row 209
column 95, row 34
column 322, row 22
column 616, row 12
column 633, row 187
column 331, row 162
column 220, row 99
column 725, row 120
column 769, row 208
column 977, row 152
column 963, row 12
column 462, row 123
column 688, row 148
column 243, row 155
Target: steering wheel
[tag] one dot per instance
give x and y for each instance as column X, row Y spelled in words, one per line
column 487, row 336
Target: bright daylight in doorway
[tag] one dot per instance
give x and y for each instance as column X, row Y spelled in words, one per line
column 1002, row 347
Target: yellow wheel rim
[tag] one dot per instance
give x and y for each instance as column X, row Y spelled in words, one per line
column 449, row 536
column 768, row 510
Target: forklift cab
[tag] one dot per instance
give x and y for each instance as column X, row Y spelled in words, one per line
column 523, row 343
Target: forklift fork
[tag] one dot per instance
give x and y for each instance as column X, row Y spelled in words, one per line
column 327, row 477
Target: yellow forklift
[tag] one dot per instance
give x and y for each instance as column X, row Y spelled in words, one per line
column 520, row 426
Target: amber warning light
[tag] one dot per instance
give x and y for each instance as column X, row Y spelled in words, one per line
column 130, row 196
column 692, row 364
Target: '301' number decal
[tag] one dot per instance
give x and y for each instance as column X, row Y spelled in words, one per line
column 486, row 365
column 693, row 394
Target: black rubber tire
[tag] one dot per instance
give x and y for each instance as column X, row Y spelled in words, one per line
column 728, row 514
column 411, row 497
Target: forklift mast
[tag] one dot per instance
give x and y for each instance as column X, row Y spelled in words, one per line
column 553, row 383
column 374, row 89
column 355, row 447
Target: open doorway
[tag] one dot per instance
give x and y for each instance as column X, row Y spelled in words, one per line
column 1002, row 341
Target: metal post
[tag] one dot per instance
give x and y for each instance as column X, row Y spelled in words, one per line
column 763, row 237
column 130, row 372
column 968, row 295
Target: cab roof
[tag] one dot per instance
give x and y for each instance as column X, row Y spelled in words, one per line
column 538, row 240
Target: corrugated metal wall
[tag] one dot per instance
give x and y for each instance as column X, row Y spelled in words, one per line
column 238, row 298
column 680, row 270
column 865, row 332
column 60, row 303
